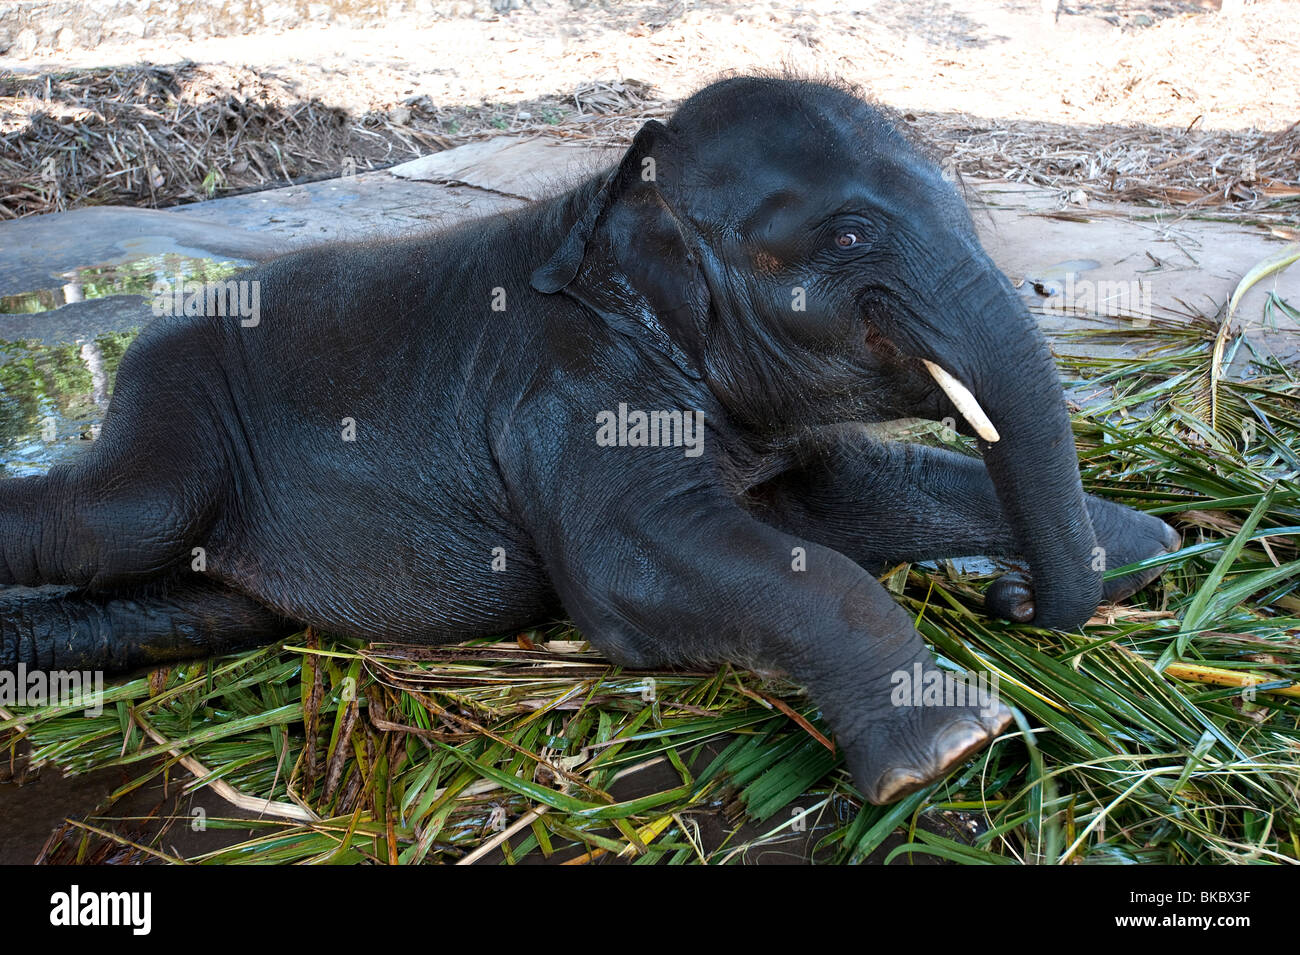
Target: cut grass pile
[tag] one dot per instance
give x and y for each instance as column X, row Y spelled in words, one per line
column 1165, row 731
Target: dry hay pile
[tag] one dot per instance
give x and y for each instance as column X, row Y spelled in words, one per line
column 1231, row 172
column 155, row 137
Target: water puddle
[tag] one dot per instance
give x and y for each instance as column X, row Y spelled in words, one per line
column 53, row 395
column 136, row 277
column 52, row 398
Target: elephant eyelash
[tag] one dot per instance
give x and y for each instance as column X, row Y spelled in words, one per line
column 864, row 239
column 837, row 227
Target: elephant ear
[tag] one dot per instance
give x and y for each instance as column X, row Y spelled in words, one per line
column 630, row 258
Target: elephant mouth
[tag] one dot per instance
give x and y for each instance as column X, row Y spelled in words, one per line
column 962, row 398
column 964, row 401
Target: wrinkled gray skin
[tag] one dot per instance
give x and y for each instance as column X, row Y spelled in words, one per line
column 671, row 283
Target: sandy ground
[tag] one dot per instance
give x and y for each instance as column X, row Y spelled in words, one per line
column 1164, row 64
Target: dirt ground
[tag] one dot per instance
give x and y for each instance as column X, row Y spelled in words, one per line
column 1172, row 102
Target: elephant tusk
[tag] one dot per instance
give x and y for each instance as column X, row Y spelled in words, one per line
column 966, row 404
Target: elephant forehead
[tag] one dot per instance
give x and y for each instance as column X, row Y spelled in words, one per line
column 772, row 199
column 758, row 167
column 764, row 158
column 801, row 131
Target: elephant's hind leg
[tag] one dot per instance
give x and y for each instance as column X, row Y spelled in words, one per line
column 93, row 527
column 59, row 628
column 880, row 503
column 884, row 502
column 132, row 507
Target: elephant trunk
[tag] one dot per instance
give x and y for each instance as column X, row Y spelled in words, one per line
column 1021, row 419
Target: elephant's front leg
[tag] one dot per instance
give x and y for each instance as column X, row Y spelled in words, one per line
column 674, row 579
column 881, row 502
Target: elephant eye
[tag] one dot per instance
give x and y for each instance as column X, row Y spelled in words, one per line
column 847, row 240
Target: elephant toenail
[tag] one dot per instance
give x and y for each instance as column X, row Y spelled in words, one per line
column 999, row 721
column 958, row 741
column 895, row 784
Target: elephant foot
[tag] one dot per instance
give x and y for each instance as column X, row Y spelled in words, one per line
column 1119, row 588
column 1011, row 596
column 921, row 746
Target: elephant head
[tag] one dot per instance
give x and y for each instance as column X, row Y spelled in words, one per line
column 784, row 243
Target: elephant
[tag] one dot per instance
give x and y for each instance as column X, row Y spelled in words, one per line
column 627, row 405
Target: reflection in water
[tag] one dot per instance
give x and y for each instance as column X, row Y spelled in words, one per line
column 52, row 397
column 93, row 356
column 137, row 277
